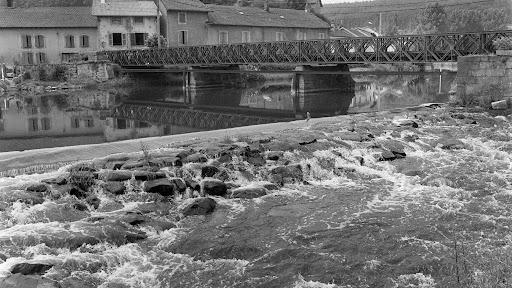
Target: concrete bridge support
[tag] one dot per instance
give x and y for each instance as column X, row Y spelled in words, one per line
column 322, row 94
column 200, row 87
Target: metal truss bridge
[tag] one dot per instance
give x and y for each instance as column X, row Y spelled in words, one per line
column 386, row 49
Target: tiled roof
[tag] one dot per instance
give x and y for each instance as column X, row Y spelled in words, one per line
column 252, row 16
column 354, row 32
column 185, row 5
column 124, row 8
column 47, row 17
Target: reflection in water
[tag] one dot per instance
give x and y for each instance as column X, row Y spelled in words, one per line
column 30, row 120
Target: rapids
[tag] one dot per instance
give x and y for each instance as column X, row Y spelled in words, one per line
column 436, row 213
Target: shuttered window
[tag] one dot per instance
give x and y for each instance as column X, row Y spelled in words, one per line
column 33, row 125
column 75, row 122
column 138, row 39
column 321, row 35
column 116, row 21
column 39, row 41
column 84, row 41
column 26, row 41
column 10, row 3
column 246, row 36
column 138, row 20
column 183, row 37
column 41, row 57
column 27, row 58
column 223, row 37
column 182, row 17
column 280, row 36
column 45, row 124
column 70, row 41
column 117, row 39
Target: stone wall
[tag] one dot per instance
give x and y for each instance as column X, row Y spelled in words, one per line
column 483, row 79
column 93, row 70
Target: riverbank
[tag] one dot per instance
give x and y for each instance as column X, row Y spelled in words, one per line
column 418, row 197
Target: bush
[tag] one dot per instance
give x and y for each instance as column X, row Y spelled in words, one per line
column 503, row 43
column 27, row 76
column 59, row 74
column 152, row 41
column 81, row 179
column 43, row 76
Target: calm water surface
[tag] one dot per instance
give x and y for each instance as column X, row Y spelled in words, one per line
column 63, row 118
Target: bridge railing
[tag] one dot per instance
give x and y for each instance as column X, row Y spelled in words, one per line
column 385, row 49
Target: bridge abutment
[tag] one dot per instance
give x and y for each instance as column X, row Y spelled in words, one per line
column 322, row 94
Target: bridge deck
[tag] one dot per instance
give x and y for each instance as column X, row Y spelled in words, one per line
column 386, row 49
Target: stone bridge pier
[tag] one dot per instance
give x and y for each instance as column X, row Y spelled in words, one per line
column 322, row 94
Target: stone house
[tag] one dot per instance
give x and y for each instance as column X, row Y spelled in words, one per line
column 124, row 24
column 46, row 34
column 231, row 24
column 194, row 23
column 183, row 22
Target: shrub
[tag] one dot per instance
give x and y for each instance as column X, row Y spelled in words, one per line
column 43, row 76
column 152, row 41
column 503, row 43
column 81, row 179
column 59, row 73
column 27, row 76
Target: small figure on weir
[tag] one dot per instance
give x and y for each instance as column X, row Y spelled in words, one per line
column 308, row 116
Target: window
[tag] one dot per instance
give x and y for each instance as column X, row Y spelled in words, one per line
column 117, row 39
column 41, row 57
column 246, row 36
column 321, row 35
column 182, row 17
column 138, row 20
column 27, row 58
column 300, row 35
column 138, row 39
column 223, row 37
column 280, row 36
column 39, row 41
column 121, row 124
column 84, row 41
column 26, row 41
column 70, row 41
column 116, row 21
column 32, row 125
column 183, row 37
column 75, row 122
column 45, row 124
column 89, row 122
column 10, row 3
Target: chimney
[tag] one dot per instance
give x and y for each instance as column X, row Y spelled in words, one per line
column 265, row 6
column 307, row 7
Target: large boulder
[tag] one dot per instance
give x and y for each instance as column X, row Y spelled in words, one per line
column 249, row 192
column 197, row 206
column 450, row 144
column 195, row 158
column 30, row 268
column 213, row 187
column 27, row 281
column 59, row 180
column 286, row 174
column 208, row 171
column 274, row 155
column 179, row 184
column 395, row 147
column 163, row 187
column 39, row 187
column 193, row 184
column 148, row 175
column 115, row 175
column 116, row 188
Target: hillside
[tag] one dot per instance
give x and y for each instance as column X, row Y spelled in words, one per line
column 404, row 13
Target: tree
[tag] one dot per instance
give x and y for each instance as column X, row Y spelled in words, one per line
column 296, row 4
column 152, row 41
column 433, row 19
column 391, row 26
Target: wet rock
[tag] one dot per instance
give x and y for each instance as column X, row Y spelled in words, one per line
column 40, row 187
column 268, row 185
column 80, row 207
column 116, row 188
column 129, row 165
column 136, row 218
column 184, row 154
column 450, row 144
column 27, row 281
column 249, row 192
column 411, row 137
column 196, row 158
column 179, row 184
column 500, row 105
column 385, row 155
column 354, row 136
column 148, row 175
column 83, row 167
column 197, row 206
column 406, row 123
column 286, row 174
column 31, row 198
column 307, row 142
column 74, row 191
column 30, row 268
column 209, row 171
column 117, row 165
column 192, row 184
column 172, row 161
column 274, row 155
column 163, row 187
column 394, row 147
column 59, row 180
column 225, row 157
column 115, row 175
column 214, row 187
column 3, row 257
column 93, row 201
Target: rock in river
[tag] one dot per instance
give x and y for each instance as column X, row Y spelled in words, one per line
column 114, row 187
column 197, row 206
column 163, row 187
column 30, row 268
column 249, row 192
column 214, row 187
column 27, row 281
column 286, row 174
